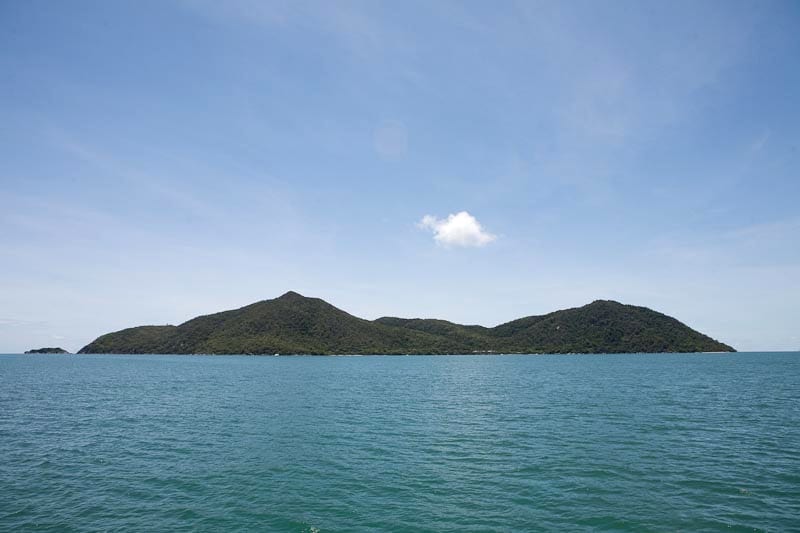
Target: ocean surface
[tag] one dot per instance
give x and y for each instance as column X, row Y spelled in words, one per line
column 702, row 442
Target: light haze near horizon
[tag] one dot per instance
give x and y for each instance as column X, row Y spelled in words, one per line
column 476, row 162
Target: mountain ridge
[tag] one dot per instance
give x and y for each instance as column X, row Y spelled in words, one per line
column 296, row 324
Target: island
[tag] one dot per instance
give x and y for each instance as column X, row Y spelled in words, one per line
column 293, row 324
column 47, row 350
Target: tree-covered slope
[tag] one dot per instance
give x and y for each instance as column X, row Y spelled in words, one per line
column 290, row 324
column 142, row 339
column 604, row 327
column 469, row 338
column 294, row 324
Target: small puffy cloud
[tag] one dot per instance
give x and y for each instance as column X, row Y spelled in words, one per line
column 460, row 229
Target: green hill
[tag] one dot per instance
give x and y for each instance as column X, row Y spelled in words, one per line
column 294, row 324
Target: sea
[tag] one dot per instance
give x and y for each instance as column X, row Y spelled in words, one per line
column 507, row 443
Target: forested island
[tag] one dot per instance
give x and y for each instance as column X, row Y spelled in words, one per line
column 47, row 350
column 295, row 324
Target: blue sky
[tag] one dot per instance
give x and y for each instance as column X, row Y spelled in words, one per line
column 473, row 161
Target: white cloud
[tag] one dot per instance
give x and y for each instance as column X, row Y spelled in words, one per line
column 460, row 229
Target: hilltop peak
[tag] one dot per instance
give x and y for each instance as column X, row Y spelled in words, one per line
column 290, row 295
column 605, row 302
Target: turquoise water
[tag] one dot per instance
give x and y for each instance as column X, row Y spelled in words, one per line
column 445, row 443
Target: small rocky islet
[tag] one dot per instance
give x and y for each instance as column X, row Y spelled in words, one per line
column 47, row 350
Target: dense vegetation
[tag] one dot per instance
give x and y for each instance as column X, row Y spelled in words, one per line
column 294, row 324
column 48, row 350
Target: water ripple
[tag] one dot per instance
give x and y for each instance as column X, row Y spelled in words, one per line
column 446, row 443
